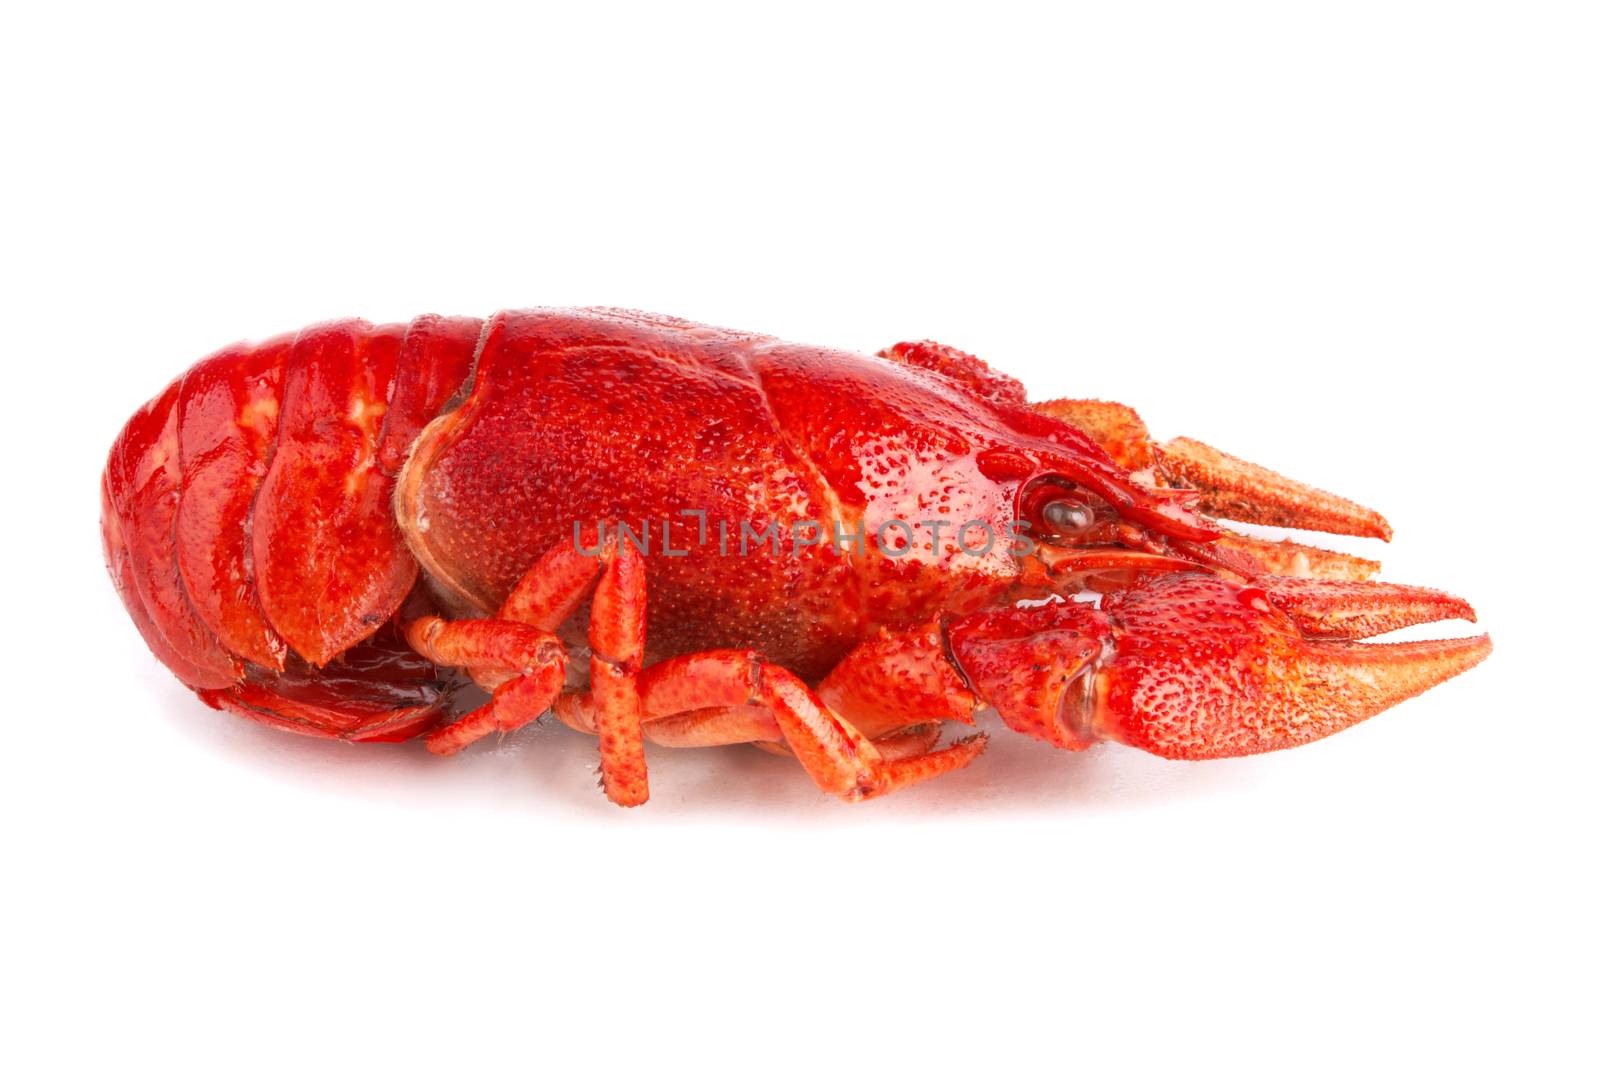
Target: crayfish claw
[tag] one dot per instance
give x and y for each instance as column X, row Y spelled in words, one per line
column 1232, row 488
column 1194, row 666
column 1206, row 668
column 1327, row 608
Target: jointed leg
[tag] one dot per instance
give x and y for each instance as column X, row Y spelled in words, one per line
column 530, row 665
column 711, row 727
column 839, row 759
column 732, row 696
column 748, row 724
column 616, row 642
column 898, row 684
column 518, row 656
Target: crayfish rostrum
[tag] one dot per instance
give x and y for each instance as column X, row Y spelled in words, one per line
column 661, row 531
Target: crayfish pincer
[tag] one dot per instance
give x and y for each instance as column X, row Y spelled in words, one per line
column 660, row 531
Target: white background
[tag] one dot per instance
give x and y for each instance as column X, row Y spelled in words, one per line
column 1359, row 246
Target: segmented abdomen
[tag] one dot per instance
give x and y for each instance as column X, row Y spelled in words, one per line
column 246, row 510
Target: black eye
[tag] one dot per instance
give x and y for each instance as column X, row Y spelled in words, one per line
column 1067, row 516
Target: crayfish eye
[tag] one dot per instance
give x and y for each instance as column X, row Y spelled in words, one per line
column 1058, row 510
column 1067, row 517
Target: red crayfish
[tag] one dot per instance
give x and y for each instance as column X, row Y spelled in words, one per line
column 663, row 531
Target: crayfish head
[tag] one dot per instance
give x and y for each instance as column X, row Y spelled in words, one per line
column 1083, row 538
column 1085, row 513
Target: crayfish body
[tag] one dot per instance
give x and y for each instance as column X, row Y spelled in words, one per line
column 831, row 555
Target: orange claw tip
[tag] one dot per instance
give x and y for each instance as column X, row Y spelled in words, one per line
column 1290, row 559
column 1329, row 608
column 1233, row 488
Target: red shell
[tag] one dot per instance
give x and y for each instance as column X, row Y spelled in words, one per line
column 584, row 417
column 248, row 517
column 850, row 518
